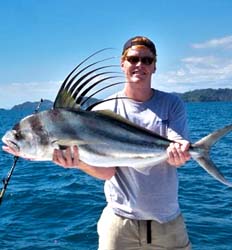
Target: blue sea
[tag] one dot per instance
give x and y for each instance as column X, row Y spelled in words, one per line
column 48, row 207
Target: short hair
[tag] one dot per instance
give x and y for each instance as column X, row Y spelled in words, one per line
column 139, row 41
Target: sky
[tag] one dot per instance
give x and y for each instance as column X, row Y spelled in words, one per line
column 41, row 41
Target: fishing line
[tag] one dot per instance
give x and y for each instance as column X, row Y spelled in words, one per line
column 7, row 179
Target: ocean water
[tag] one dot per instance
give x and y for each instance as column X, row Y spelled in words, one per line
column 48, row 207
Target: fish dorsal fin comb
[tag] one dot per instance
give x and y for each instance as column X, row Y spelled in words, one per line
column 77, row 79
column 65, row 100
column 106, row 100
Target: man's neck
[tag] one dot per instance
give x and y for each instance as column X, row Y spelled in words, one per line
column 139, row 94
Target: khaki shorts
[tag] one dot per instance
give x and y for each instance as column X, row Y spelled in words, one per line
column 119, row 233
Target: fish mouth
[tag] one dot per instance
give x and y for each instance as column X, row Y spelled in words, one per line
column 11, row 144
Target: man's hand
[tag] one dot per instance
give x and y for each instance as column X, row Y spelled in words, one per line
column 68, row 158
column 178, row 153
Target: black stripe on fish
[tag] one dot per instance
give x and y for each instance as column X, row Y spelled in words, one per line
column 57, row 114
column 37, row 128
column 17, row 132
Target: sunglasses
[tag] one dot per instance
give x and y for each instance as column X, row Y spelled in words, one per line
column 135, row 59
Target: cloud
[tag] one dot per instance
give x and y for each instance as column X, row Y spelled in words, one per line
column 224, row 42
column 212, row 70
column 16, row 93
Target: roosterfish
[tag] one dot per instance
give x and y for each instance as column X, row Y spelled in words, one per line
column 104, row 138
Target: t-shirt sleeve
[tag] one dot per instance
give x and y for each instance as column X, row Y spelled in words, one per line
column 178, row 127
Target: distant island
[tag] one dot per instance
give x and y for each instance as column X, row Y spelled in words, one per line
column 44, row 105
column 199, row 95
column 207, row 95
column 30, row 107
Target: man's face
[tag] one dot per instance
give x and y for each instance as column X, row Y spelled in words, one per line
column 138, row 65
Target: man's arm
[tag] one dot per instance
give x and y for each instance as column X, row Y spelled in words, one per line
column 70, row 159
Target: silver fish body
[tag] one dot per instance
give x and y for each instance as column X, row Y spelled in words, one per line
column 104, row 139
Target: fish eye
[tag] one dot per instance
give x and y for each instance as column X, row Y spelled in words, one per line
column 17, row 134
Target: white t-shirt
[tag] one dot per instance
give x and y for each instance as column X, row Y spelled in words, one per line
column 155, row 196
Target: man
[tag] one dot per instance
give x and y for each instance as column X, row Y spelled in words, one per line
column 142, row 210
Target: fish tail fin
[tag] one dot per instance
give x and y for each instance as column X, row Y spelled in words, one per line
column 203, row 158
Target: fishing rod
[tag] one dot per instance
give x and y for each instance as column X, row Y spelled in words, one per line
column 7, row 179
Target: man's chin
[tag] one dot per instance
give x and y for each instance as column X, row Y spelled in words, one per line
column 138, row 78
